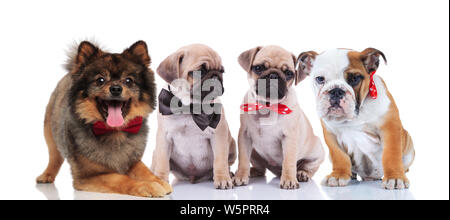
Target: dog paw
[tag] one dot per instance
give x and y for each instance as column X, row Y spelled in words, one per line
column 334, row 180
column 395, row 183
column 289, row 182
column 303, row 176
column 223, row 182
column 45, row 178
column 167, row 187
column 147, row 189
column 241, row 178
column 162, row 176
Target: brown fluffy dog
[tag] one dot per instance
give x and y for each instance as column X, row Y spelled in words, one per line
column 91, row 121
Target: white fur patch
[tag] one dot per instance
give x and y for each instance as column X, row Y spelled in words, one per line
column 330, row 64
column 359, row 134
column 355, row 134
column 191, row 147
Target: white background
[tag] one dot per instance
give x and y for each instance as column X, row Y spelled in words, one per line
column 414, row 35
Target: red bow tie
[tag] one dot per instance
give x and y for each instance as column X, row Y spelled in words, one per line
column 133, row 127
column 278, row 108
column 372, row 88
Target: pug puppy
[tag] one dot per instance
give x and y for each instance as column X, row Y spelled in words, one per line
column 275, row 133
column 360, row 120
column 194, row 143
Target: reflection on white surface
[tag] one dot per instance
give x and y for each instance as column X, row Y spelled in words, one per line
column 258, row 189
column 51, row 193
column 357, row 190
column 80, row 195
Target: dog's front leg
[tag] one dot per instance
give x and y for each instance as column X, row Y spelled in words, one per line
column 140, row 172
column 222, row 179
column 121, row 184
column 244, row 145
column 394, row 172
column 342, row 165
column 289, row 166
column 161, row 156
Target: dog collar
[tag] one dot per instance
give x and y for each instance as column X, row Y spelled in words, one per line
column 278, row 108
column 133, row 127
column 372, row 88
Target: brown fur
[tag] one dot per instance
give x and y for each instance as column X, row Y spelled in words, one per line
column 342, row 166
column 357, row 67
column 55, row 158
column 109, row 163
column 305, row 61
column 396, row 141
column 87, row 109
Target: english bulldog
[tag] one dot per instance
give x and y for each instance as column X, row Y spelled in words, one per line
column 275, row 133
column 361, row 123
column 193, row 139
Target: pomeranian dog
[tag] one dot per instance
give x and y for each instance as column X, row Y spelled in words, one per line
column 96, row 118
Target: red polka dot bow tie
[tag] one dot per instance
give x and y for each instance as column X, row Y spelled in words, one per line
column 372, row 88
column 133, row 127
column 278, row 108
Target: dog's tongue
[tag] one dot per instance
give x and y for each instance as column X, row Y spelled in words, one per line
column 115, row 118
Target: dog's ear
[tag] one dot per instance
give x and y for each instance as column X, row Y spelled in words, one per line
column 371, row 59
column 138, row 52
column 246, row 58
column 169, row 69
column 305, row 63
column 295, row 70
column 86, row 51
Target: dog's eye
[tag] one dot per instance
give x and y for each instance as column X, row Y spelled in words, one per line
column 289, row 74
column 128, row 81
column 100, row 81
column 204, row 70
column 354, row 80
column 258, row 68
column 320, row 79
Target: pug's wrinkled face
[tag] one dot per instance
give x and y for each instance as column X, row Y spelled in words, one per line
column 340, row 78
column 271, row 72
column 195, row 74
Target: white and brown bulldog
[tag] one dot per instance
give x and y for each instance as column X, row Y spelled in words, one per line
column 193, row 139
column 361, row 123
column 275, row 133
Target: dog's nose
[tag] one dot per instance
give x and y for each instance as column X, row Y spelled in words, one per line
column 115, row 90
column 273, row 76
column 336, row 94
